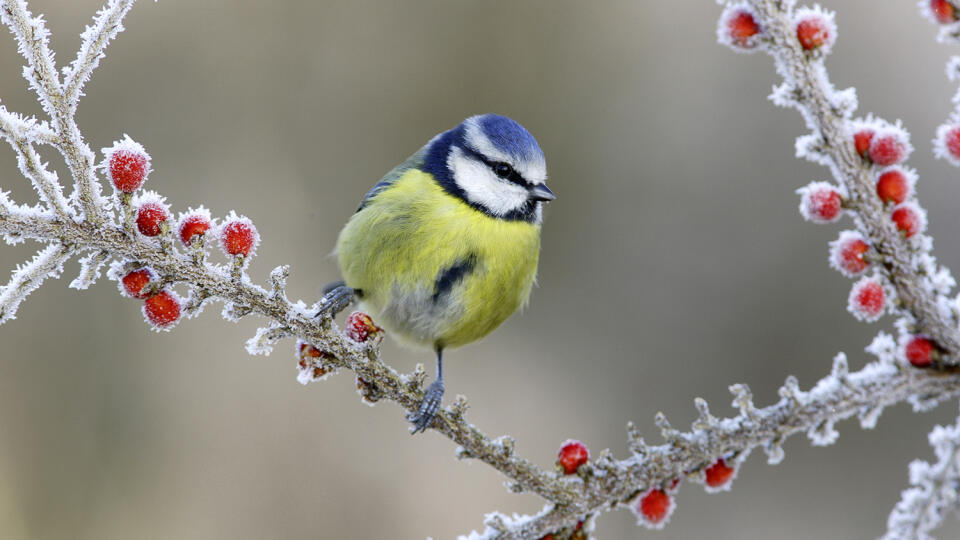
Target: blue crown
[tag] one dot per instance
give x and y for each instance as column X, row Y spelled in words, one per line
column 505, row 135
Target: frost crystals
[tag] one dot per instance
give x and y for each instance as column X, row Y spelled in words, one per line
column 933, row 492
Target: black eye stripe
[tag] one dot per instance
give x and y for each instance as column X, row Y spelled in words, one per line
column 512, row 176
column 504, row 170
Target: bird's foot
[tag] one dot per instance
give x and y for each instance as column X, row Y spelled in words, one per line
column 422, row 419
column 336, row 297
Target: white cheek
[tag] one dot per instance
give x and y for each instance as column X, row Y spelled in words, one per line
column 481, row 186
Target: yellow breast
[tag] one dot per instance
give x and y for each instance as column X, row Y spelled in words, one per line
column 432, row 269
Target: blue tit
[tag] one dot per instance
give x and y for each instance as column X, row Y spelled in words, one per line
column 444, row 248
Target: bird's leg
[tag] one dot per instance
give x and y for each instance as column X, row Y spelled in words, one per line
column 422, row 419
column 336, row 296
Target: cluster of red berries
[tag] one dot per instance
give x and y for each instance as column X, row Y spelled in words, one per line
column 161, row 307
column 885, row 147
column 654, row 506
column 814, row 28
column 127, row 166
column 311, row 361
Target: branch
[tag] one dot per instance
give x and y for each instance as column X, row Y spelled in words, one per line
column 19, row 132
column 34, row 45
column 934, row 491
column 608, row 483
column 107, row 23
column 47, row 263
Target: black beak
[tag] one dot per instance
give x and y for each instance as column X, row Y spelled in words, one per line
column 541, row 192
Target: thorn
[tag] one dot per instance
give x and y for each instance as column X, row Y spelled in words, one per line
column 743, row 400
column 705, row 420
column 666, row 430
column 841, row 369
column 278, row 281
column 790, row 389
column 459, row 407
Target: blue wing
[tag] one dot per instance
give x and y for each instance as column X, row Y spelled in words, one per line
column 413, row 162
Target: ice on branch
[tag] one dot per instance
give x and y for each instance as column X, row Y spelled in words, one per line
column 26, row 278
column 933, row 491
column 107, row 23
column 90, row 267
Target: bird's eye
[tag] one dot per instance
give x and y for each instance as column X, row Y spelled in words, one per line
column 502, row 169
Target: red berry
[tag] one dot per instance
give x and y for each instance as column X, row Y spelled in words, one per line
column 820, row 202
column 310, row 361
column 150, row 215
column 948, row 142
column 861, row 141
column 239, row 237
column 191, row 225
column 127, row 165
column 309, row 356
column 910, row 219
column 360, row 327
column 655, row 507
column 572, row 455
column 867, row 299
column 813, row 31
column 548, row 536
column 889, row 148
column 162, row 309
column 718, row 474
column 893, row 185
column 919, row 351
column 309, row 351
column 134, row 282
column 742, row 26
column 128, row 170
column 846, row 254
column 943, row 11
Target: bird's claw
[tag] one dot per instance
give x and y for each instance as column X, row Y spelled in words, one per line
column 422, row 419
column 337, row 297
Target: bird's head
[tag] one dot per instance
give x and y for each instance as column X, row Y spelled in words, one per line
column 493, row 164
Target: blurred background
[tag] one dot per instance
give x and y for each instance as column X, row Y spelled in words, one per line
column 674, row 263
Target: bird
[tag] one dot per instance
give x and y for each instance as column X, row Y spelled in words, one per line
column 444, row 248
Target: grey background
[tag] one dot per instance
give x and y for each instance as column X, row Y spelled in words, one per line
column 674, row 263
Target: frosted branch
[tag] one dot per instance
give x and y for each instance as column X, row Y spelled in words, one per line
column 47, row 263
column 107, row 23
column 19, row 132
column 617, row 483
column 904, row 261
column 33, row 42
column 933, row 492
